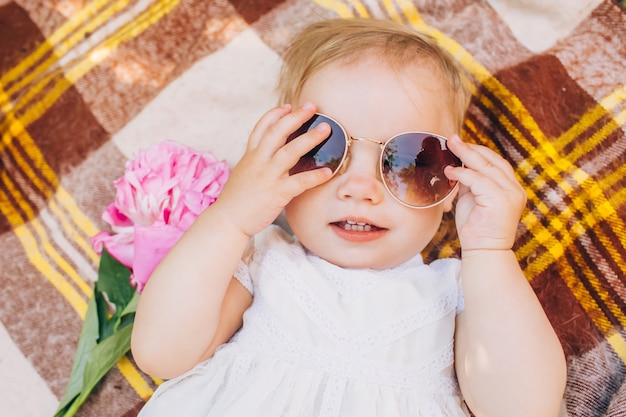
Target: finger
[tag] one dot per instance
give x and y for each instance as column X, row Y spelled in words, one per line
column 483, row 160
column 477, row 179
column 299, row 183
column 263, row 124
column 486, row 187
column 495, row 159
column 277, row 134
column 483, row 169
column 471, row 181
column 289, row 154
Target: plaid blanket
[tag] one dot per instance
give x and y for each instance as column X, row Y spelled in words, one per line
column 85, row 84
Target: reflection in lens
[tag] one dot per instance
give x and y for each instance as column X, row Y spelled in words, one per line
column 413, row 165
column 329, row 153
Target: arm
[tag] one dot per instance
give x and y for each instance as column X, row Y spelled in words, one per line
column 187, row 308
column 508, row 358
column 509, row 361
column 236, row 301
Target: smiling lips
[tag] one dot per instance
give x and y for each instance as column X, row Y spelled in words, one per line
column 355, row 226
column 358, row 227
column 357, row 231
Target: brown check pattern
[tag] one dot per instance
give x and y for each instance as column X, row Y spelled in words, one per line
column 73, row 73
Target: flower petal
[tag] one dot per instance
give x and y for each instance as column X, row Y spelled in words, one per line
column 120, row 246
column 151, row 244
column 162, row 192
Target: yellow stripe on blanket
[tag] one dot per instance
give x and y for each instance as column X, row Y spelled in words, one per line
column 19, row 222
column 64, row 79
column 590, row 118
column 78, row 218
column 409, row 10
column 556, row 248
column 87, row 20
column 604, row 210
column 553, row 165
column 31, row 246
column 343, row 10
column 618, row 344
column 134, row 378
column 83, row 17
column 17, row 130
column 31, row 107
column 17, row 126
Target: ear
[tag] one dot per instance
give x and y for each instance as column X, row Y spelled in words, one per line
column 448, row 203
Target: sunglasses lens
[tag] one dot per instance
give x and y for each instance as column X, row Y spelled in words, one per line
column 329, row 153
column 412, row 166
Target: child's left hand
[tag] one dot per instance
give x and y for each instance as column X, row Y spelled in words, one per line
column 490, row 200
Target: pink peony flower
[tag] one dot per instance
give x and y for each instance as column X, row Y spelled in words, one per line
column 162, row 192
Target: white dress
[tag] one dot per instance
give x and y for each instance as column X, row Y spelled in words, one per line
column 321, row 341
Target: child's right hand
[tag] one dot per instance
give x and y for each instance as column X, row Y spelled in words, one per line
column 259, row 186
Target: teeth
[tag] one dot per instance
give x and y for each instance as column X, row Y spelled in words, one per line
column 357, row 226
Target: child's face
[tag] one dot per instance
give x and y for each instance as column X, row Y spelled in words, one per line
column 371, row 100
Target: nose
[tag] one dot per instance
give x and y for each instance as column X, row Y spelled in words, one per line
column 359, row 179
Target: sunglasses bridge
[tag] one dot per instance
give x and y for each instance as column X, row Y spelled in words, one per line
column 381, row 144
column 342, row 168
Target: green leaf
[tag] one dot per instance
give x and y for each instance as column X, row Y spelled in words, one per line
column 114, row 280
column 88, row 340
column 103, row 339
column 131, row 307
column 101, row 359
column 113, row 285
column 127, row 316
column 105, row 355
column 104, row 328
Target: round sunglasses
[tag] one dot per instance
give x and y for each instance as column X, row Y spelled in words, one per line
column 411, row 164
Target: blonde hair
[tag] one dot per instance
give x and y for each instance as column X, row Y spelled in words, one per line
column 347, row 40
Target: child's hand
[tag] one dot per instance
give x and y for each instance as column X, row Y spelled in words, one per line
column 259, row 185
column 490, row 200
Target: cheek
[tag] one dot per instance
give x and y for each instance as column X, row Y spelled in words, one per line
column 302, row 212
column 291, row 214
column 422, row 227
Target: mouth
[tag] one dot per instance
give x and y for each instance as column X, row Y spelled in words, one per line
column 358, row 231
column 356, row 226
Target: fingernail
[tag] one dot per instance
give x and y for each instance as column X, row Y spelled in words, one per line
column 322, row 126
column 308, row 106
column 285, row 106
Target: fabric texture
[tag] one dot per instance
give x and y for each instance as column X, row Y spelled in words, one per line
column 85, row 84
column 324, row 341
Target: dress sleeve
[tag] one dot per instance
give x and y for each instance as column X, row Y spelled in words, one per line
column 460, row 303
column 450, row 269
column 259, row 245
column 242, row 273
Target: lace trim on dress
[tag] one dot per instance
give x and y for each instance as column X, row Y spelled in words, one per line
column 286, row 263
column 460, row 303
column 333, row 395
column 406, row 325
column 352, row 282
column 271, row 339
column 309, row 303
column 242, row 274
